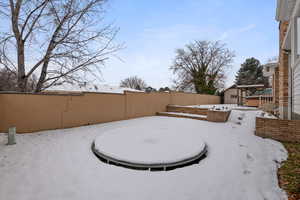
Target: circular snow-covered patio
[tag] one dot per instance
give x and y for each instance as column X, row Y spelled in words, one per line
column 153, row 149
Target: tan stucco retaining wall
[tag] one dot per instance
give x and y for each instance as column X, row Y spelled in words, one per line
column 35, row 112
column 185, row 109
column 185, row 99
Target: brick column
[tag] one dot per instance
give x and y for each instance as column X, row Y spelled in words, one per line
column 283, row 67
column 275, row 87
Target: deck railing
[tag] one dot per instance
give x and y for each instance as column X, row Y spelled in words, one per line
column 265, row 99
column 267, row 104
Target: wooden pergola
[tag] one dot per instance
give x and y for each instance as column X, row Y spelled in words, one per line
column 241, row 89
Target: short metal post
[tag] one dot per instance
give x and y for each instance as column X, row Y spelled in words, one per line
column 11, row 136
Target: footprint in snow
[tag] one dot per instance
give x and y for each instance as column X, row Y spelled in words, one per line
column 282, row 150
column 246, row 171
column 249, row 157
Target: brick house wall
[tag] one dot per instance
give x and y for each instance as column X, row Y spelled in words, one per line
column 283, row 79
column 275, row 87
column 282, row 130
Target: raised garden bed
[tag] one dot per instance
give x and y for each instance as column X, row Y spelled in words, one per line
column 217, row 115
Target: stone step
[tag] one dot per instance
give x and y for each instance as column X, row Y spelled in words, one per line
column 182, row 115
column 187, row 109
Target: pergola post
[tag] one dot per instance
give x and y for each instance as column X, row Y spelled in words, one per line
column 242, row 98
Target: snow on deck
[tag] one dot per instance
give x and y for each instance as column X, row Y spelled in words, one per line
column 60, row 164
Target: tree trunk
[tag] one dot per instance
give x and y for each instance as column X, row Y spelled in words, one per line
column 43, row 75
column 22, row 79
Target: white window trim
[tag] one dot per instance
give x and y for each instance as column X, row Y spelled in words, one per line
column 297, row 36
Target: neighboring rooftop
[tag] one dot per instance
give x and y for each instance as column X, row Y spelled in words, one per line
column 269, row 69
column 89, row 87
column 265, row 93
column 273, row 64
column 231, row 87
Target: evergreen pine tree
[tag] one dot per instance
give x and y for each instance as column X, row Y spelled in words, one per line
column 250, row 73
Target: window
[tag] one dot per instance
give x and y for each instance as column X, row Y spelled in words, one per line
column 233, row 96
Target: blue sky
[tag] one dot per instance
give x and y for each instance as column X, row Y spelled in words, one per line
column 152, row 30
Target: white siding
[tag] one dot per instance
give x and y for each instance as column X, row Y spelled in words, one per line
column 296, row 90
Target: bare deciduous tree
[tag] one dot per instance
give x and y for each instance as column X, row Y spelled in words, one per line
column 201, row 66
column 58, row 40
column 9, row 81
column 134, row 82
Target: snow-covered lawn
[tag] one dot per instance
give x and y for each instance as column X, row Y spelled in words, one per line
column 54, row 165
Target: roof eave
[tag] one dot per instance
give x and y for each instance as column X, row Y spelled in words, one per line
column 282, row 10
column 278, row 8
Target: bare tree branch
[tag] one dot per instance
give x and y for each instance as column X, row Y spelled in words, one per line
column 57, row 39
column 134, row 82
column 201, row 66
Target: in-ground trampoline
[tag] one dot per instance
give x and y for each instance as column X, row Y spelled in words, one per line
column 157, row 149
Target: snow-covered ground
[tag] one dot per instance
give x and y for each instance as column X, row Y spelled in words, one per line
column 59, row 165
column 88, row 87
